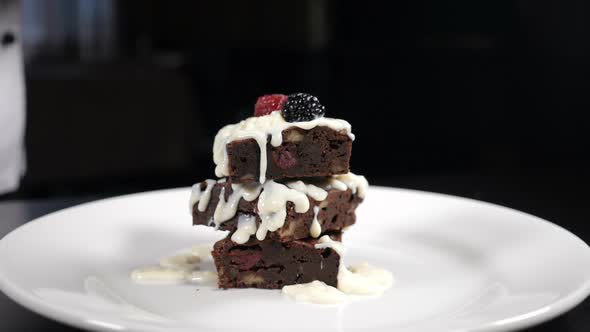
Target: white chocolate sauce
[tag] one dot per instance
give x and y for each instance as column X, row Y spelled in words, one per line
column 364, row 279
column 246, row 228
column 249, row 192
column 158, row 275
column 326, row 242
column 316, row 229
column 310, row 190
column 177, row 269
column 358, row 184
column 315, row 292
column 201, row 197
column 273, row 198
column 361, row 279
column 226, row 210
column 336, row 184
column 260, row 128
column 272, row 206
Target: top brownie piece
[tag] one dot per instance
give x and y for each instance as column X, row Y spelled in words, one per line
column 320, row 151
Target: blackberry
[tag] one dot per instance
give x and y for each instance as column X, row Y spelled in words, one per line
column 302, row 107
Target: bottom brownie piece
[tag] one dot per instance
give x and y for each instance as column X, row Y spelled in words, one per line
column 273, row 264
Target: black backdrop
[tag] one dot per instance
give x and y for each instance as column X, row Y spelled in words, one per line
column 434, row 89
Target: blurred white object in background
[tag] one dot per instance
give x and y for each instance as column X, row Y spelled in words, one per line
column 12, row 98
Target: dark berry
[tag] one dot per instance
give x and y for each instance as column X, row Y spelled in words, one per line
column 284, row 159
column 269, row 103
column 302, row 107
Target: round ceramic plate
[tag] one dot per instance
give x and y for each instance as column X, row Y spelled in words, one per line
column 458, row 264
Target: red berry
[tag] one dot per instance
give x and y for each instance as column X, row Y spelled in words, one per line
column 284, row 159
column 244, row 259
column 269, row 103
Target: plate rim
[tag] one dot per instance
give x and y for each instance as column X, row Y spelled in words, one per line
column 38, row 306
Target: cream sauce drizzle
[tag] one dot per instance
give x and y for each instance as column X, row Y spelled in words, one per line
column 272, row 206
column 176, row 269
column 273, row 198
column 310, row 190
column 316, row 229
column 361, row 279
column 358, row 184
column 246, row 228
column 260, row 128
column 226, row 210
column 202, row 197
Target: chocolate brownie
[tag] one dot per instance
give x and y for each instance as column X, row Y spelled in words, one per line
column 273, row 264
column 335, row 212
column 320, row 151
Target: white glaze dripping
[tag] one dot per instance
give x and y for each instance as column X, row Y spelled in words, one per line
column 327, row 242
column 202, row 197
column 310, row 190
column 272, row 206
column 260, row 128
column 358, row 184
column 245, row 228
column 316, row 229
column 225, row 210
column 361, row 279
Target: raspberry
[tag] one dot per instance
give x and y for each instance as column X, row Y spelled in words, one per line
column 284, row 159
column 302, row 107
column 269, row 103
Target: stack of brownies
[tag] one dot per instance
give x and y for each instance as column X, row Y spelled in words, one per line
column 284, row 188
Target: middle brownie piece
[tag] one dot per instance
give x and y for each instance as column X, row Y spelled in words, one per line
column 332, row 214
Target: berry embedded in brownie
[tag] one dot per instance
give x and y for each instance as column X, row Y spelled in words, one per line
column 273, row 264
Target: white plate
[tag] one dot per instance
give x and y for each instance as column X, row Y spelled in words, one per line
column 459, row 264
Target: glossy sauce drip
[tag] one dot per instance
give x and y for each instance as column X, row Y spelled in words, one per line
column 361, row 279
column 272, row 206
column 273, row 198
column 246, row 228
column 316, row 229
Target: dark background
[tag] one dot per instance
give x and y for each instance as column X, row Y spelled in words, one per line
column 127, row 95
column 484, row 99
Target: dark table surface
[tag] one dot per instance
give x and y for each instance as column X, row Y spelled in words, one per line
column 561, row 198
